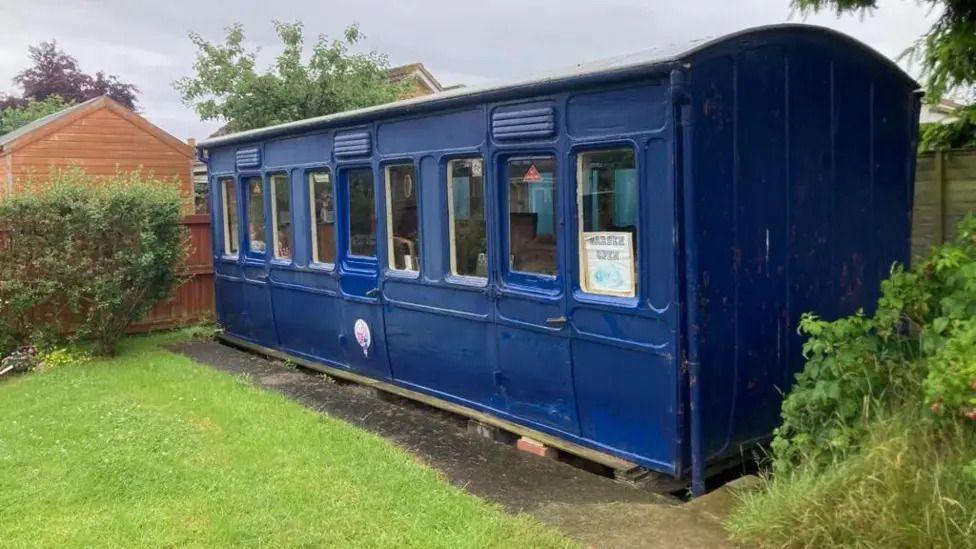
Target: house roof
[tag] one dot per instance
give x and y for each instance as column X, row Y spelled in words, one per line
column 418, row 71
column 620, row 66
column 51, row 123
column 947, row 106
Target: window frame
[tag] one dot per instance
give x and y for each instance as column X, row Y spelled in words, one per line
column 579, row 283
column 274, row 216
column 225, row 221
column 244, row 179
column 345, row 251
column 388, row 206
column 452, row 274
column 547, row 283
column 313, row 250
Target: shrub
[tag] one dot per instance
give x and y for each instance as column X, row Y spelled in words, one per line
column 918, row 349
column 88, row 256
column 877, row 447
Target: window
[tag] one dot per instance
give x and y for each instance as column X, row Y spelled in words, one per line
column 255, row 215
column 201, row 189
column 362, row 213
column 228, row 192
column 532, row 215
column 466, row 210
column 322, row 203
column 402, row 218
column 607, row 204
column 281, row 215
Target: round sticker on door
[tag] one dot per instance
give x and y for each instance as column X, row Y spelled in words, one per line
column 363, row 337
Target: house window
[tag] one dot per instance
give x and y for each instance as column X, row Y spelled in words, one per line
column 281, row 213
column 402, row 217
column 322, row 203
column 228, row 194
column 532, row 215
column 606, row 202
column 466, row 212
column 255, row 215
column 362, row 213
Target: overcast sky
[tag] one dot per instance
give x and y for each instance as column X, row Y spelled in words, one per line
column 146, row 43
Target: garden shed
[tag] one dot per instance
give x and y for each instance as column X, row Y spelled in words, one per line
column 103, row 137
column 100, row 136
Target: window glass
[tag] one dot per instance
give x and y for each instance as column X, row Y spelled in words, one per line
column 229, row 202
column 322, row 202
column 201, row 189
column 607, row 206
column 532, row 215
column 362, row 213
column 255, row 215
column 281, row 210
column 466, row 208
column 403, row 218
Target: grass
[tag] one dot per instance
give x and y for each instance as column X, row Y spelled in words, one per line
column 152, row 449
column 908, row 487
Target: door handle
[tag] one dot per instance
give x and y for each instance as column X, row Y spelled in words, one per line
column 556, row 321
column 373, row 293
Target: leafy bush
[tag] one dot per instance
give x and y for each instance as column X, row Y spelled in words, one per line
column 918, row 349
column 62, row 357
column 87, row 256
column 877, row 447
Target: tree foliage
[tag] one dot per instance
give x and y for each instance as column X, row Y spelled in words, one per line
column 54, row 72
column 14, row 117
column 87, row 256
column 228, row 85
column 947, row 57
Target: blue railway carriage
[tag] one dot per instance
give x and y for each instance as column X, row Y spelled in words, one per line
column 612, row 259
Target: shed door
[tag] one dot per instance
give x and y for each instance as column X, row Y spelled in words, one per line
column 534, row 371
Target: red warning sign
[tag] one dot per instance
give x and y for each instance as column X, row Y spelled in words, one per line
column 532, row 175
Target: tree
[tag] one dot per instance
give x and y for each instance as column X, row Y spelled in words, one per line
column 54, row 72
column 227, row 85
column 30, row 110
column 947, row 55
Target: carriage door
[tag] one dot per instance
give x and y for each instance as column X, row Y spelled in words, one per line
column 534, row 373
column 622, row 366
column 256, row 318
column 361, row 332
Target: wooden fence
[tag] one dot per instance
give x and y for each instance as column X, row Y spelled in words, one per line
column 945, row 191
column 193, row 301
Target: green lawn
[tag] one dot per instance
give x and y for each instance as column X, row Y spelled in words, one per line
column 152, row 449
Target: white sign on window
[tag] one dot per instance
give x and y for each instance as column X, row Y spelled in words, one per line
column 608, row 263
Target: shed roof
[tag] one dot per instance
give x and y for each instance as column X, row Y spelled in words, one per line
column 622, row 65
column 12, row 136
column 46, row 125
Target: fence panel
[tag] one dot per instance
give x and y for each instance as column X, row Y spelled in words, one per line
column 945, row 191
column 193, row 301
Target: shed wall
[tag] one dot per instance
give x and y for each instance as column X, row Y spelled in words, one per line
column 804, row 161
column 103, row 143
